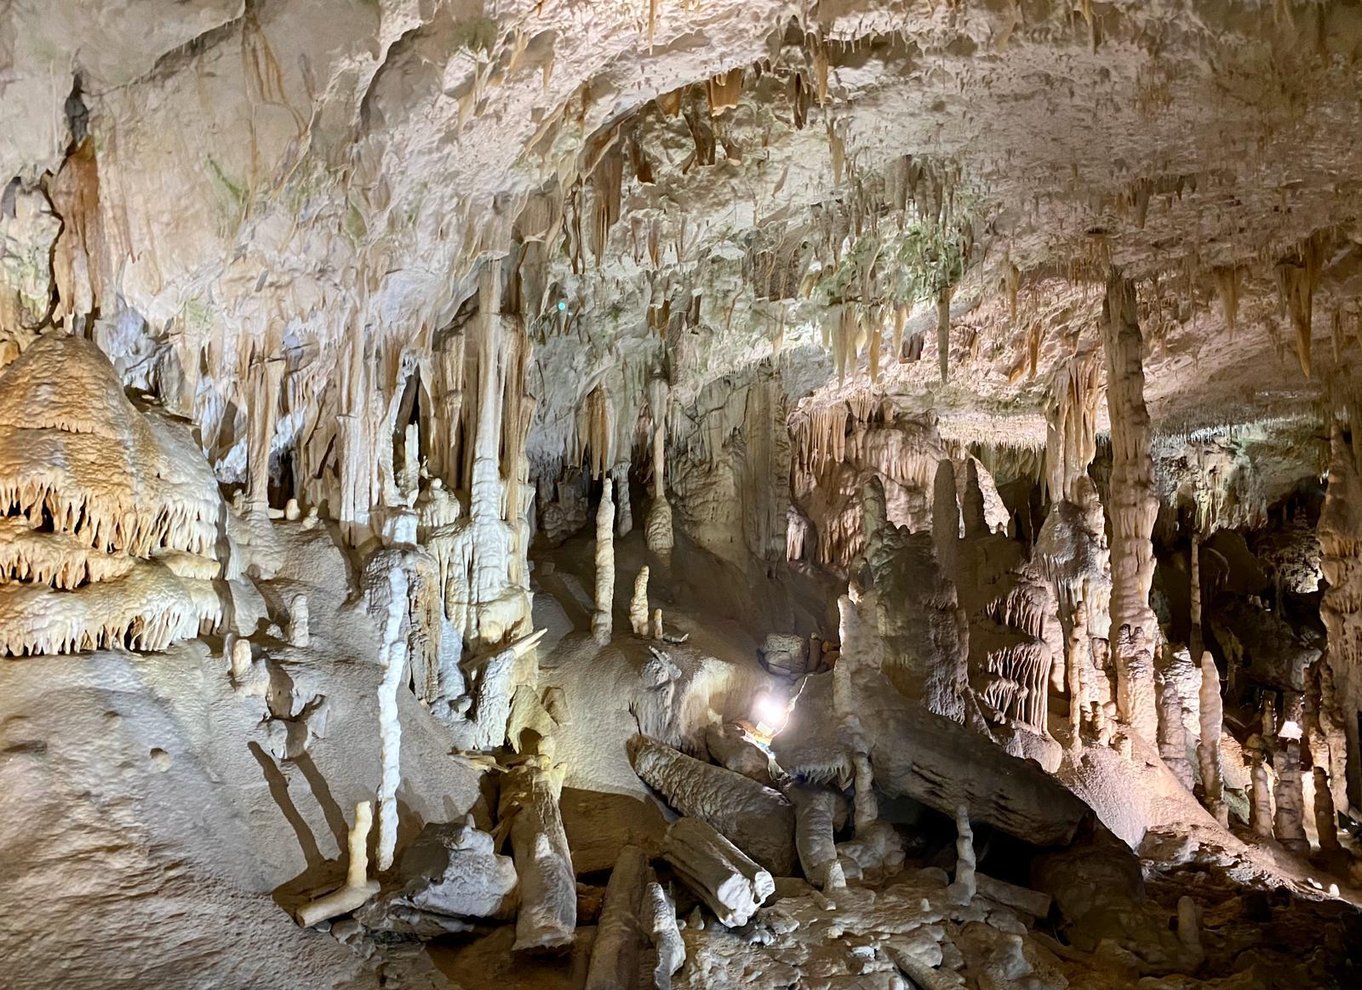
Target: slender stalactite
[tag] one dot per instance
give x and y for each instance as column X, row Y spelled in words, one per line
column 1134, row 628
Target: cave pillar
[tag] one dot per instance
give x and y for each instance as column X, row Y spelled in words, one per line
column 1340, row 538
column 448, row 402
column 658, row 533
column 1133, row 508
column 1208, row 749
column 267, row 376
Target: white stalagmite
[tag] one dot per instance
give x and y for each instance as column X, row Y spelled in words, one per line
column 665, row 935
column 484, row 722
column 393, row 657
column 731, row 884
column 619, row 933
column 638, row 603
column 601, row 619
column 358, row 887
column 298, row 632
column 657, row 623
column 1172, row 733
column 547, row 921
column 816, row 809
column 1134, row 506
column 1208, row 749
column 964, row 886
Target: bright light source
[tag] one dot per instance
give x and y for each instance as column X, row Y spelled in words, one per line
column 770, row 713
column 1290, row 730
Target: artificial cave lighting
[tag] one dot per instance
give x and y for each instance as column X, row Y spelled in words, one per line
column 703, row 496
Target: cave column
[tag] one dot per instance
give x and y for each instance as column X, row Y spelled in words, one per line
column 448, row 403
column 1133, row 509
column 266, row 377
column 1340, row 538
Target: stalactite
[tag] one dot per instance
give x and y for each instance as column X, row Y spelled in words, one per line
column 943, row 330
column 1298, row 279
column 724, row 91
column 1227, row 286
column 1071, row 421
column 1133, row 510
column 266, row 377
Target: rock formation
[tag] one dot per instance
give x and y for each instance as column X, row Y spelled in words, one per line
column 972, row 385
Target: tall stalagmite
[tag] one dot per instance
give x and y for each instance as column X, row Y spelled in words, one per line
column 1134, row 628
column 602, row 620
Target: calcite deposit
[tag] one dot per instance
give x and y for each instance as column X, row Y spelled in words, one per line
column 532, row 494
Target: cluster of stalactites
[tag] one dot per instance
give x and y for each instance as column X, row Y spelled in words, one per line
column 109, row 518
column 112, row 525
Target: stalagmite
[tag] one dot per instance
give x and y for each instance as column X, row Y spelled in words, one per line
column 657, row 623
column 358, row 888
column 478, row 720
column 658, row 535
column 638, row 603
column 250, row 678
column 624, row 510
column 393, row 657
column 945, row 516
column 1208, row 748
column 601, row 619
column 1172, row 734
column 1326, row 818
column 1260, row 798
column 865, row 809
column 298, row 632
column 664, row 933
column 757, row 819
column 730, row 884
column 547, row 920
column 964, row 886
column 1133, row 510
column 619, row 933
column 816, row 810
column 1288, row 822
column 1075, row 668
